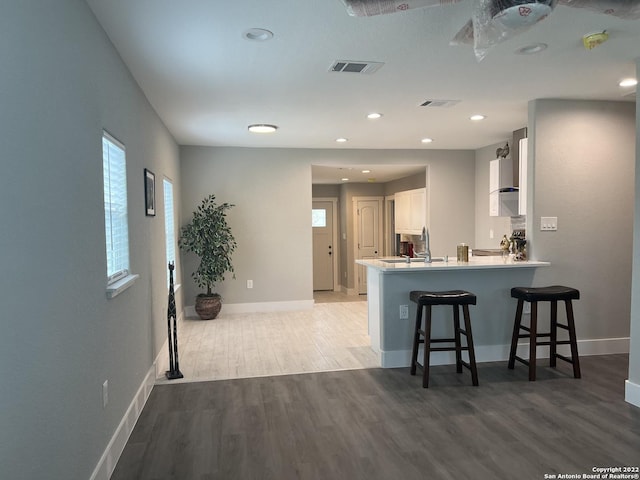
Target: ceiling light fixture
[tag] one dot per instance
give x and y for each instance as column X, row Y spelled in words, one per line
column 427, row 140
column 477, row 118
column 531, row 49
column 366, row 171
column 345, row 179
column 262, row 128
column 258, row 34
column 342, row 140
column 628, row 82
column 374, row 116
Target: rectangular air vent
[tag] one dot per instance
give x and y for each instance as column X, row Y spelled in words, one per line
column 350, row 66
column 439, row 103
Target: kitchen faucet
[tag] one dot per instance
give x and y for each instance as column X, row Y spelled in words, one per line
column 427, row 251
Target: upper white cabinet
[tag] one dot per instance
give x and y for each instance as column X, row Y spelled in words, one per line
column 411, row 211
column 503, row 198
column 522, row 183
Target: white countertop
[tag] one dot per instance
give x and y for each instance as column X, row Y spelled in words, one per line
column 474, row 263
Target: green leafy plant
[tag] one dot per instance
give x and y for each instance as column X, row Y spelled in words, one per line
column 208, row 235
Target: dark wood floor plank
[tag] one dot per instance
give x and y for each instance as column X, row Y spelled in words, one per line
column 381, row 424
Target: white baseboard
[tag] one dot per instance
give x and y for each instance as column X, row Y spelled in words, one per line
column 258, row 307
column 632, row 393
column 118, row 441
column 498, row 353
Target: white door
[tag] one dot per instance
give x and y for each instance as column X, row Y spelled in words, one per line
column 322, row 223
column 369, row 235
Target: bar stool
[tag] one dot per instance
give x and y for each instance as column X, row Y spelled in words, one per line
column 455, row 298
column 551, row 294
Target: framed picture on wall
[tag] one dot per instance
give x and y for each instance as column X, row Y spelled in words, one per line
column 150, row 193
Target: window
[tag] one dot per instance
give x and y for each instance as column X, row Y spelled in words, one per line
column 169, row 225
column 318, row 217
column 114, row 168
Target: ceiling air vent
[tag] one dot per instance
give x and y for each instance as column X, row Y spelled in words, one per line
column 439, row 103
column 350, row 66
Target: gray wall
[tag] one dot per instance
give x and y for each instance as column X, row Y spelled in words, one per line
column 634, row 357
column 583, row 157
column 61, row 83
column 272, row 190
column 271, row 221
column 419, row 180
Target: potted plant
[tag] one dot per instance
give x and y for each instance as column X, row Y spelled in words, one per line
column 208, row 235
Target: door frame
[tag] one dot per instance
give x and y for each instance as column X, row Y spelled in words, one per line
column 334, row 240
column 355, row 200
column 389, row 226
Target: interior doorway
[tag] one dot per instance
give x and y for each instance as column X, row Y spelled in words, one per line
column 368, row 234
column 325, row 245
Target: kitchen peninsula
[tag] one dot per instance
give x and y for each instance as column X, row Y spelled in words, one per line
column 390, row 280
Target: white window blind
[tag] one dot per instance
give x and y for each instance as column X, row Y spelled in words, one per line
column 169, row 225
column 114, row 167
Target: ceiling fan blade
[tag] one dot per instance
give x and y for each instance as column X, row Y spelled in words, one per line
column 464, row 35
column 627, row 9
column 368, row 8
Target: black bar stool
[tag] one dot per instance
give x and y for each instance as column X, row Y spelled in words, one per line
column 455, row 298
column 551, row 294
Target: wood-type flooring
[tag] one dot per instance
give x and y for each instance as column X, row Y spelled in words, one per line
column 380, row 424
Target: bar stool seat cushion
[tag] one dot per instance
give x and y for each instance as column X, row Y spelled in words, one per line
column 545, row 294
column 449, row 297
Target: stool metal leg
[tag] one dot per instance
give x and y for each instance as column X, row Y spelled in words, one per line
column 471, row 351
column 553, row 334
column 416, row 339
column 458, row 342
column 573, row 339
column 533, row 338
column 427, row 347
column 516, row 332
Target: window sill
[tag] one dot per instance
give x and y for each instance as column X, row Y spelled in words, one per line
column 120, row 286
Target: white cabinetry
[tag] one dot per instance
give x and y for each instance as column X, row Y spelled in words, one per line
column 503, row 202
column 411, row 211
column 522, row 182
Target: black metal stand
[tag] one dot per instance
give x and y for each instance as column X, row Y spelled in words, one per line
column 174, row 367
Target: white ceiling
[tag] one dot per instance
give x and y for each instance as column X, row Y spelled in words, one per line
column 208, row 83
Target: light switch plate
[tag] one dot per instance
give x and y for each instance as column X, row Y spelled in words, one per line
column 548, row 224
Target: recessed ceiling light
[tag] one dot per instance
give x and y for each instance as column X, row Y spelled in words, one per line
column 366, row 171
column 262, row 128
column 373, row 116
column 532, row 49
column 345, row 179
column 477, row 118
column 342, row 140
column 427, row 140
column 258, row 34
column 628, row 82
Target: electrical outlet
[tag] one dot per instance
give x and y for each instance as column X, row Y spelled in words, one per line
column 526, row 308
column 105, row 393
column 404, row 312
column 491, row 233
column 548, row 224
column 249, row 283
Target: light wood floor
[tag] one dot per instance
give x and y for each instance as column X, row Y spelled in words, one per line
column 379, row 424
column 332, row 336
